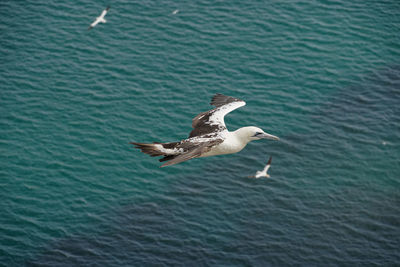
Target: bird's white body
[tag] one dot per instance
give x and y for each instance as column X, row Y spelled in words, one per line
column 233, row 142
column 230, row 145
column 263, row 173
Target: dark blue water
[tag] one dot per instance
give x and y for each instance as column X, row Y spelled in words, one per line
column 324, row 76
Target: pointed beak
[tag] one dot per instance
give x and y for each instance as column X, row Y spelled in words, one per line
column 268, row 136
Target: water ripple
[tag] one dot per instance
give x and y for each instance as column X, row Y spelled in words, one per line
column 320, row 75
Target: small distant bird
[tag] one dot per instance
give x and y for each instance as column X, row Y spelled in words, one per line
column 263, row 173
column 100, row 18
column 209, row 136
column 175, row 11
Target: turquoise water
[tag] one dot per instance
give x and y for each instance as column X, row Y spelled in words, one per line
column 324, row 76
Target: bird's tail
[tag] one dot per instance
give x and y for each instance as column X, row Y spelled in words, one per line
column 168, row 150
column 103, row 20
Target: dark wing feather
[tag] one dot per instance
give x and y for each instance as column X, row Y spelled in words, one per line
column 201, row 124
column 195, row 152
column 213, row 120
column 219, row 100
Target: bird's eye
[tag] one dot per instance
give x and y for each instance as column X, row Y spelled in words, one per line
column 257, row 133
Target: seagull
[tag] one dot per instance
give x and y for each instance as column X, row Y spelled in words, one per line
column 175, row 11
column 263, row 173
column 100, row 18
column 209, row 136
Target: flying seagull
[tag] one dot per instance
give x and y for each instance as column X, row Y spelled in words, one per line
column 209, row 136
column 100, row 18
column 175, row 11
column 263, row 173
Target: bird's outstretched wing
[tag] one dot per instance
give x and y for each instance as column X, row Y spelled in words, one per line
column 193, row 152
column 94, row 23
column 268, row 165
column 104, row 12
column 213, row 120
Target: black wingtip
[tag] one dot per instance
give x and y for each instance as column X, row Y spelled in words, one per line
column 220, row 100
column 108, row 7
column 269, row 161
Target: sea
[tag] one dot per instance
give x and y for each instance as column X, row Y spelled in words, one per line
column 323, row 75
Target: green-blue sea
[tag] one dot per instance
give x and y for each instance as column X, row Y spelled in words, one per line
column 323, row 75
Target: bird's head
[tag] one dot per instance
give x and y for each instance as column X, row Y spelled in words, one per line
column 252, row 133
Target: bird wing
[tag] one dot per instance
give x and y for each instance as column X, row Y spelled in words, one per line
column 268, row 165
column 213, row 120
column 193, row 152
column 95, row 23
column 104, row 12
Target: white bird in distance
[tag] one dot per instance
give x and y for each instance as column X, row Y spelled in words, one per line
column 263, row 173
column 100, row 18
